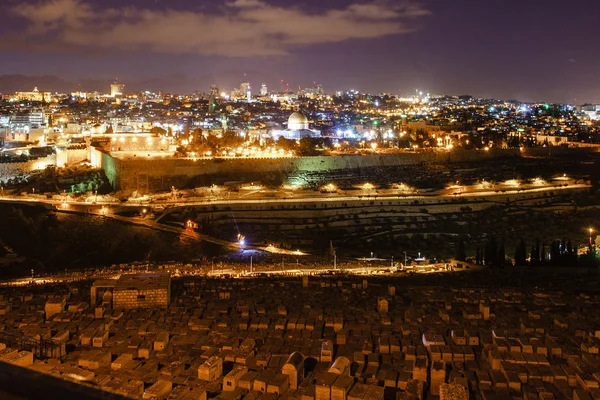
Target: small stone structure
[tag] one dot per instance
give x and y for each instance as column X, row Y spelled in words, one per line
column 131, row 291
column 294, row 368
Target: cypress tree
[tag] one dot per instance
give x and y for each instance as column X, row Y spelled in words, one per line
column 543, row 254
column 521, row 254
column 501, row 256
column 461, row 254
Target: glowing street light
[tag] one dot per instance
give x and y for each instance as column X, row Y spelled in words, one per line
column 241, row 240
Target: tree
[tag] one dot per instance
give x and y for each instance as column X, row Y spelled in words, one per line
column 307, row 147
column 543, row 254
column 231, row 139
column 491, row 252
column 19, row 231
column 501, row 256
column 286, row 144
column 158, row 130
column 554, row 253
column 460, row 251
column 521, row 254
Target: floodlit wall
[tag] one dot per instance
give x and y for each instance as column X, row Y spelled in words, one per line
column 11, row 170
column 146, row 175
column 160, row 174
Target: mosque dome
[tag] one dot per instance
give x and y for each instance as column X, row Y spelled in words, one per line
column 297, row 121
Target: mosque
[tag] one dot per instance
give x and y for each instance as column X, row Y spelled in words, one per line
column 297, row 128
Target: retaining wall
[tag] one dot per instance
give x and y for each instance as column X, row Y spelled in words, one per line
column 146, row 175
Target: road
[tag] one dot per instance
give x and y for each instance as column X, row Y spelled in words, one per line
column 106, row 209
column 237, row 270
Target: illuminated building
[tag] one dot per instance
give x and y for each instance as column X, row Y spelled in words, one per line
column 34, row 95
column 245, row 91
column 591, row 111
column 297, row 128
column 116, row 89
column 297, row 121
column 263, row 90
column 27, row 125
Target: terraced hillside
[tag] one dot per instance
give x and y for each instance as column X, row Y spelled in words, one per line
column 413, row 223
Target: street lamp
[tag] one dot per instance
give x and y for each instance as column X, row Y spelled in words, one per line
column 591, row 230
column 241, row 239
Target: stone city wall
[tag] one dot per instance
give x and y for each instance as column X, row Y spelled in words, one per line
column 12, row 170
column 146, row 175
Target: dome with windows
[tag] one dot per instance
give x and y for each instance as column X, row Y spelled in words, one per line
column 297, row 122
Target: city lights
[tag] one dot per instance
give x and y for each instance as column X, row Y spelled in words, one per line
column 235, row 221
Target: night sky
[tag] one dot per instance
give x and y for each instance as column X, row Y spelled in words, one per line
column 532, row 50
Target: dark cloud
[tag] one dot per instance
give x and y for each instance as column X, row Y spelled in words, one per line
column 243, row 28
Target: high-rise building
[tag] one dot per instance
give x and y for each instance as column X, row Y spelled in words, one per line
column 116, row 89
column 212, row 98
column 246, row 91
column 263, row 90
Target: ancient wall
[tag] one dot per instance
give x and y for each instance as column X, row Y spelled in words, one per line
column 160, row 174
column 11, row 170
column 558, row 151
column 145, row 175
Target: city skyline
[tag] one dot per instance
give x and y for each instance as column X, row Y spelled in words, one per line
column 530, row 52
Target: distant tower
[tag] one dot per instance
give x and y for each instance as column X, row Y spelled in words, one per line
column 116, row 89
column 249, row 94
column 244, row 86
column 214, row 90
column 263, row 90
column 224, row 122
column 212, row 99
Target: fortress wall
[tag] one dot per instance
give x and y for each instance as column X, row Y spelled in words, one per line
column 146, row 175
column 160, row 174
column 75, row 156
column 10, row 170
column 558, row 151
